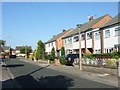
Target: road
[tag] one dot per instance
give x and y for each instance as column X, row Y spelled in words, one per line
column 32, row 76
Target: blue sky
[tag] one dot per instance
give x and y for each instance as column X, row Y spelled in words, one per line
column 25, row 23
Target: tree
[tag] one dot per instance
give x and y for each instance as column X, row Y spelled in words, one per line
column 40, row 50
column 53, row 53
column 2, row 42
column 62, row 58
column 37, row 53
column 25, row 50
column 62, row 51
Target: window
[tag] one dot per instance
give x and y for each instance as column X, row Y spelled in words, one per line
column 70, row 40
column 51, row 44
column 107, row 33
column 64, row 41
column 98, row 51
column 89, row 35
column 70, row 51
column 82, row 36
column 76, row 38
column 97, row 35
column 110, row 50
column 117, row 31
column 105, row 50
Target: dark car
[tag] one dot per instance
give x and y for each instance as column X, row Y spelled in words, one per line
column 12, row 56
column 70, row 58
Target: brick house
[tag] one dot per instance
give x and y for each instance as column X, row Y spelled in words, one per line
column 110, row 34
column 56, row 42
column 89, row 33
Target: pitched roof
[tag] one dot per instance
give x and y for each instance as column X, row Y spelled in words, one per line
column 86, row 26
column 56, row 37
column 19, row 47
column 6, row 47
column 113, row 21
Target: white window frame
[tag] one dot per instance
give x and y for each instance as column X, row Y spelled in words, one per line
column 117, row 31
column 82, row 34
column 106, row 32
column 89, row 35
column 70, row 39
column 64, row 41
column 52, row 44
column 76, row 38
column 97, row 37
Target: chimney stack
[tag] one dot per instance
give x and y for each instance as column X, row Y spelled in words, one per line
column 64, row 30
column 91, row 18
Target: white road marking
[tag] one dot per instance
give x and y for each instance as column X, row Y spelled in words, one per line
column 102, row 75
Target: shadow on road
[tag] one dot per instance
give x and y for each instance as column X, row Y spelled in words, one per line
column 38, row 70
column 28, row 81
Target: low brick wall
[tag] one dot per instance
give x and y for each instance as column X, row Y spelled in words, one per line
column 100, row 70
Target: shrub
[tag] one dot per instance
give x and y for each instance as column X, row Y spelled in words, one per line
column 30, row 56
column 62, row 60
column 62, row 51
column 88, row 56
column 46, row 57
column 114, row 55
column 50, row 57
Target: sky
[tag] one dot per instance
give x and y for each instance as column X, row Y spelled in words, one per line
column 24, row 23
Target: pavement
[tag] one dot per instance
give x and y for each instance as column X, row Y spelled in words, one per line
column 74, row 70
column 5, row 74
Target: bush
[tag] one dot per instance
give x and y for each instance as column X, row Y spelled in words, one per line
column 114, row 55
column 46, row 57
column 88, row 56
column 49, row 57
column 30, row 56
column 62, row 60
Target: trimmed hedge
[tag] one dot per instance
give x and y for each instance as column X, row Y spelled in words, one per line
column 114, row 55
column 62, row 60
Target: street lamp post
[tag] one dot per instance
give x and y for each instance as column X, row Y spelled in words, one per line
column 25, row 52
column 80, row 57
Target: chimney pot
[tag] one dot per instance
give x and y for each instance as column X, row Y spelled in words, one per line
column 91, row 18
column 64, row 30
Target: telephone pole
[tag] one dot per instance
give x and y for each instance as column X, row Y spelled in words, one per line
column 80, row 57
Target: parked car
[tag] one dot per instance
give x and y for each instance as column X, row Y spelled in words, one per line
column 70, row 58
column 12, row 56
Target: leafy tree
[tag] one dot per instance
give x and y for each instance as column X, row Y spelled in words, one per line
column 53, row 53
column 62, row 51
column 40, row 50
column 62, row 57
column 37, row 53
column 2, row 42
column 25, row 50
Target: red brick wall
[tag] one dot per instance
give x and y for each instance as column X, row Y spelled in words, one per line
column 60, row 41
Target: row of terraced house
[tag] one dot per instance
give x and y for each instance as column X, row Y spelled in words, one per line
column 100, row 35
